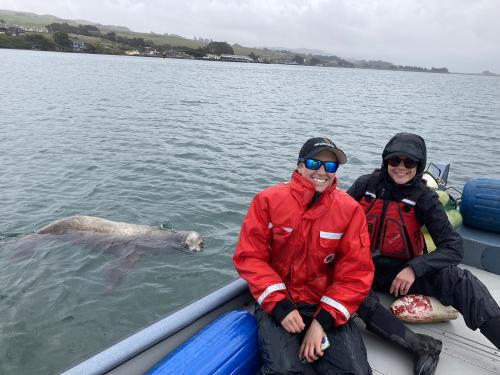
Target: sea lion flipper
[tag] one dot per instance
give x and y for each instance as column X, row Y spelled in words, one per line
column 120, row 268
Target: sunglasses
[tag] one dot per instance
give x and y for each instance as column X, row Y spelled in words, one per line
column 313, row 164
column 396, row 160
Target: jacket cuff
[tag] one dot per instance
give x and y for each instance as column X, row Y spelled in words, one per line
column 325, row 319
column 415, row 265
column 282, row 309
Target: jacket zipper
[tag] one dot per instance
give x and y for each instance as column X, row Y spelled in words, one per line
column 380, row 225
column 411, row 252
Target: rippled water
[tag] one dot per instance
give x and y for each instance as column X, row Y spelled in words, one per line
column 185, row 144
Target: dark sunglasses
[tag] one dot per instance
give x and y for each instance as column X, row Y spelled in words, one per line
column 395, row 160
column 313, row 164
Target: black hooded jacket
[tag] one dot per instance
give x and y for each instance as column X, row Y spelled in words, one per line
column 428, row 209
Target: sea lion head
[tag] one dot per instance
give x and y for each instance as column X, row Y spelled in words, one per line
column 193, row 241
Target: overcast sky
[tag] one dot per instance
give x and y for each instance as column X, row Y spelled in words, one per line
column 462, row 35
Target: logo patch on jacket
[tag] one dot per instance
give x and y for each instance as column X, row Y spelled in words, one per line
column 328, row 258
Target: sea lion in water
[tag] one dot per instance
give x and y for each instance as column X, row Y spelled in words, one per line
column 189, row 239
column 127, row 243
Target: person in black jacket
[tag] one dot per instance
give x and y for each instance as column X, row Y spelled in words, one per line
column 397, row 203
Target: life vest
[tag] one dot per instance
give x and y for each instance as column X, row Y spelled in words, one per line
column 393, row 226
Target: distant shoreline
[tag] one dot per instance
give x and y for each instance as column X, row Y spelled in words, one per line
column 29, row 31
column 389, row 70
column 195, row 59
column 20, row 30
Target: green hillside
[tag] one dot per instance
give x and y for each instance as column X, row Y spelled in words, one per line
column 37, row 20
column 162, row 39
column 90, row 37
column 28, row 19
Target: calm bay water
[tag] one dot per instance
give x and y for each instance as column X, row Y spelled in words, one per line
column 185, row 144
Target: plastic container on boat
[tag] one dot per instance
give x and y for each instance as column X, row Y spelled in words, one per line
column 480, row 206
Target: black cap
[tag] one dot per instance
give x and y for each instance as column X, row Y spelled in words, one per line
column 314, row 146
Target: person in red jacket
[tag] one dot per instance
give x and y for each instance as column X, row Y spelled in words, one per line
column 304, row 250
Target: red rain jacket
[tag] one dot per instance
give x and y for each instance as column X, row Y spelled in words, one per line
column 319, row 255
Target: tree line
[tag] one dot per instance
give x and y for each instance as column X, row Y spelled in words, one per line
column 89, row 30
column 59, row 40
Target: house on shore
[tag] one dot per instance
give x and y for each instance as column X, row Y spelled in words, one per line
column 78, row 45
column 236, row 58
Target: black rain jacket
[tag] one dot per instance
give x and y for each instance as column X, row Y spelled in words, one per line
column 428, row 209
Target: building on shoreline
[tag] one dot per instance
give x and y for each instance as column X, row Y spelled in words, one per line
column 235, row 58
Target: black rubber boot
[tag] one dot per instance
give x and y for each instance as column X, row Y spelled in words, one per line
column 491, row 330
column 425, row 349
column 379, row 320
column 427, row 355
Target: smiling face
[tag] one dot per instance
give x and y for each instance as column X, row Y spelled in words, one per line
column 400, row 174
column 321, row 179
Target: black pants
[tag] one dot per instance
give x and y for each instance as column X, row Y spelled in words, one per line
column 280, row 349
column 451, row 285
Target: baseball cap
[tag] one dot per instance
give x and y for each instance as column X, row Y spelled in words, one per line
column 314, row 146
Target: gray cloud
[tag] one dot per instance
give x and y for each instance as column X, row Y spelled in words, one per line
column 462, row 35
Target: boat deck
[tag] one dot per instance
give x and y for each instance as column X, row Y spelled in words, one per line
column 464, row 351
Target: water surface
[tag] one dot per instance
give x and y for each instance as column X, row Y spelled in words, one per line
column 185, row 144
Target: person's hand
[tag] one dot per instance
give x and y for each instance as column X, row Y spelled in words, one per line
column 293, row 323
column 310, row 349
column 402, row 282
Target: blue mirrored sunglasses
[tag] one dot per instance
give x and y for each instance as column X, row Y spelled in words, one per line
column 313, row 164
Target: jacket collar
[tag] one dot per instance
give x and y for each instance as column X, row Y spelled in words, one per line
column 303, row 190
column 386, row 188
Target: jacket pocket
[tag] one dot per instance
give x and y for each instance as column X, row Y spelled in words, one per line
column 281, row 253
column 328, row 243
column 393, row 242
column 280, row 237
column 329, row 240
